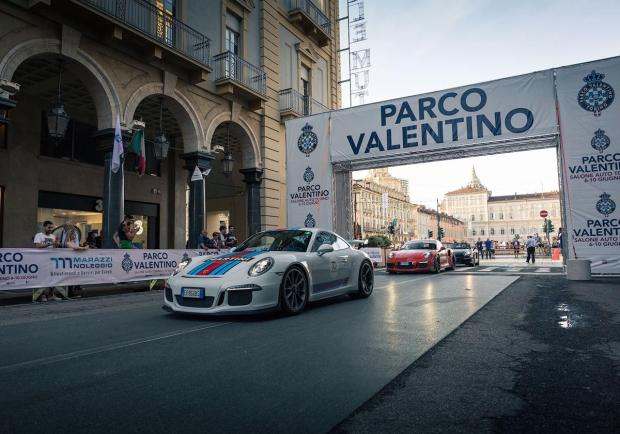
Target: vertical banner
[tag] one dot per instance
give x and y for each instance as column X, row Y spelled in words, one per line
column 309, row 174
column 590, row 131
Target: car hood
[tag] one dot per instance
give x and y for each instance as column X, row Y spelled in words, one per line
column 221, row 265
column 461, row 251
column 405, row 254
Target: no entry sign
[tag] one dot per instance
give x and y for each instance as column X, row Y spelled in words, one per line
column 544, row 214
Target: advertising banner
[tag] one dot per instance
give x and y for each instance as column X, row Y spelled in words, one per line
column 590, row 131
column 309, row 173
column 38, row 268
column 512, row 108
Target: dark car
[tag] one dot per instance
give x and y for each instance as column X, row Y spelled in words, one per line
column 465, row 253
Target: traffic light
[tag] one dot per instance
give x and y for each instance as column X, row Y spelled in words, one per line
column 430, row 233
column 441, row 234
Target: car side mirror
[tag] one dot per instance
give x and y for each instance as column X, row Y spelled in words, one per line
column 325, row 248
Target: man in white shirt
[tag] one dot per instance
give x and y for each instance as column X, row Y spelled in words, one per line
column 47, row 240
column 530, row 245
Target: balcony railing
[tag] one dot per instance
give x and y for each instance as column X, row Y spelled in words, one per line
column 154, row 23
column 295, row 102
column 228, row 66
column 313, row 12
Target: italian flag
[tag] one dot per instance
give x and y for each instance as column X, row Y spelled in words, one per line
column 137, row 147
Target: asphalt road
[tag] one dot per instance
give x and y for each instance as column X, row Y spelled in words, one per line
column 121, row 364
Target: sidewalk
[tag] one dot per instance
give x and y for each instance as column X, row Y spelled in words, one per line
column 543, row 356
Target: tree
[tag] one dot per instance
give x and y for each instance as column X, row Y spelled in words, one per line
column 379, row 241
column 547, row 226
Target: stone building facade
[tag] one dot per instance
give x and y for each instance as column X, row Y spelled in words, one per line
column 369, row 211
column 216, row 77
column 501, row 218
column 427, row 227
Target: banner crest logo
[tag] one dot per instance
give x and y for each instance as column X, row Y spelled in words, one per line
column 126, row 263
column 308, row 140
column 310, row 222
column 596, row 95
column 605, row 205
column 600, row 141
column 308, row 175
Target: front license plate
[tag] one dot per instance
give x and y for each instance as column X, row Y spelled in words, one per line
column 192, row 293
column 405, row 264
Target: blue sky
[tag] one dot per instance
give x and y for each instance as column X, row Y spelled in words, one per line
column 423, row 46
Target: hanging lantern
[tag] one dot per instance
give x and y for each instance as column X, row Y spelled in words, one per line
column 161, row 144
column 227, row 161
column 227, row 164
column 57, row 117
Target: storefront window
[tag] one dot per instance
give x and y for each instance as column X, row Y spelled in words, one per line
column 1, row 213
column 77, row 145
column 4, row 132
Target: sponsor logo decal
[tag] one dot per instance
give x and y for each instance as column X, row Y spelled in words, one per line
column 600, row 141
column 310, row 222
column 605, row 205
column 223, row 264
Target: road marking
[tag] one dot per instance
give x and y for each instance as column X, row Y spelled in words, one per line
column 488, row 269
column 543, row 270
column 513, row 270
column 105, row 348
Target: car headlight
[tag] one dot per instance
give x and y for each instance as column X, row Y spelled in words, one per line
column 467, row 253
column 180, row 266
column 427, row 255
column 261, row 267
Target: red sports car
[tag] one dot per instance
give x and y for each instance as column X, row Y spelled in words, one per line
column 420, row 255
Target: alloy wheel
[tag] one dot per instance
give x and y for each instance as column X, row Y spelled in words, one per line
column 367, row 280
column 294, row 290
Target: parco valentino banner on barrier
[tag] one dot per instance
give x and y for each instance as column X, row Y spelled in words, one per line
column 37, row 268
column 309, row 173
column 500, row 110
column 590, row 136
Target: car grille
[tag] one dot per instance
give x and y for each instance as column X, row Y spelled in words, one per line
column 194, row 302
column 168, row 293
column 409, row 265
column 239, row 298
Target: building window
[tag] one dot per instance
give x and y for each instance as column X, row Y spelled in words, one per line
column 165, row 28
column 1, row 212
column 501, row 231
column 473, row 218
column 492, row 231
column 481, row 231
column 473, row 232
column 233, row 34
column 491, row 216
column 512, row 231
column 4, row 135
column 501, row 216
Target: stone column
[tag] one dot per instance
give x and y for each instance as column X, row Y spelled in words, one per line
column 197, row 214
column 113, row 188
column 252, row 178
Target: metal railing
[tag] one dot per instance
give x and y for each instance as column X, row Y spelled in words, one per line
column 291, row 100
column 156, row 24
column 314, row 13
column 228, row 66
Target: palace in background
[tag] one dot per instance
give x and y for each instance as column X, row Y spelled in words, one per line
column 501, row 218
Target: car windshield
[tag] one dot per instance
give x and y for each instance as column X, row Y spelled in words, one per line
column 287, row 241
column 419, row 245
column 460, row 246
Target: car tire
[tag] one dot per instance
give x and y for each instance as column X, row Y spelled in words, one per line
column 365, row 280
column 437, row 268
column 294, row 291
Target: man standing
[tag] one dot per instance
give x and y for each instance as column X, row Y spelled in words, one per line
column 487, row 248
column 46, row 240
column 479, row 248
column 530, row 245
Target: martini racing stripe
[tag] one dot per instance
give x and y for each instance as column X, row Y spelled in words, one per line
column 222, row 264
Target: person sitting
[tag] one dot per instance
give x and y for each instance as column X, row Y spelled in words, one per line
column 204, row 242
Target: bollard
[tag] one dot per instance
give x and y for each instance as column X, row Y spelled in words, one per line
column 578, row 269
column 556, row 254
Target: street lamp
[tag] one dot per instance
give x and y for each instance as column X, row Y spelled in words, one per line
column 57, row 117
column 161, row 143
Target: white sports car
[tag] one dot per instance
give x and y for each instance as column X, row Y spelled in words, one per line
column 273, row 269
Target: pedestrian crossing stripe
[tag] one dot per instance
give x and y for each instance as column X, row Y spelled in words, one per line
column 543, row 270
column 488, row 269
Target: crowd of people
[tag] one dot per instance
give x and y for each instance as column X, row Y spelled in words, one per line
column 533, row 245
column 124, row 238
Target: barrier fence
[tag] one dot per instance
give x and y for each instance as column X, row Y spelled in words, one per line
column 39, row 268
